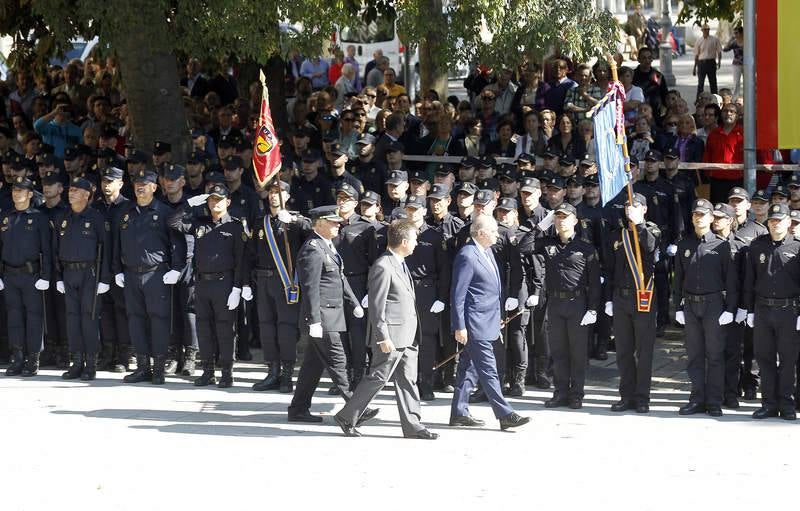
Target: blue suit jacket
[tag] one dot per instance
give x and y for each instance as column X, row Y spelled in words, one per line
column 475, row 295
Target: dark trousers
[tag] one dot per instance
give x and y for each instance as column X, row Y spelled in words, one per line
column 148, row 305
column 277, row 320
column 83, row 327
column 184, row 319
column 516, row 344
column 25, row 309
column 56, row 312
column 775, row 339
column 114, row 329
column 477, row 363
column 635, row 337
column 245, row 317
column 538, row 345
column 706, row 68
column 662, row 290
column 322, row 354
column 215, row 323
column 705, row 349
column 733, row 334
column 355, row 339
column 568, row 345
column 430, row 345
column 747, row 379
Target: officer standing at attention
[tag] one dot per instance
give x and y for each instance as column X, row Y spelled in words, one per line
column 277, row 303
column 572, row 272
column 218, row 256
column 771, row 289
column 704, row 271
column 634, row 317
column 323, row 291
column 148, row 257
column 26, row 251
column 83, row 271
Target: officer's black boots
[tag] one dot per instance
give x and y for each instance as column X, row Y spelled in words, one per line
column 76, row 368
column 207, row 378
column 273, row 379
column 287, row 368
column 227, row 375
column 90, row 369
column 518, row 383
column 142, row 372
column 542, row 380
column 158, row 370
column 119, row 359
column 15, row 369
column 189, row 359
column 106, row 357
column 31, row 365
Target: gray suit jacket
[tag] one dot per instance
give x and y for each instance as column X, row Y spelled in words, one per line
column 392, row 303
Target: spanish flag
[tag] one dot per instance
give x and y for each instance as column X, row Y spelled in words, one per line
column 777, row 70
column 266, row 150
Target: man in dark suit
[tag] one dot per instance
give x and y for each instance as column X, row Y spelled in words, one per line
column 395, row 331
column 475, row 316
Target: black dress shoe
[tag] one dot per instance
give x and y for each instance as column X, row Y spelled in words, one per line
column 368, row 414
column 427, row 396
column 622, row 405
column 576, row 403
column 347, row 428
column 765, row 413
column 642, row 408
column 714, row 410
column 424, row 435
column 789, row 414
column 731, row 402
column 749, row 394
column 304, row 416
column 513, row 420
column 555, row 403
column 692, row 408
column 468, row 421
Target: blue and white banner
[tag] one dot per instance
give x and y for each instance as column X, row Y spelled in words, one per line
column 610, row 160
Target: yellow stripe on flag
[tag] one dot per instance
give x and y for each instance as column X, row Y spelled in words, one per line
column 788, row 72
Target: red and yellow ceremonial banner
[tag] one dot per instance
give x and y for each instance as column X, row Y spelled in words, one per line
column 266, row 150
column 777, row 71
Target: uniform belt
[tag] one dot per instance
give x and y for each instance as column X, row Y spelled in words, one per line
column 29, row 267
column 262, row 272
column 145, row 269
column 565, row 294
column 355, row 274
column 76, row 265
column 701, row 298
column 776, row 302
column 213, row 276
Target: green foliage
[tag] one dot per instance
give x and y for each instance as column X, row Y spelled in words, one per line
column 704, row 10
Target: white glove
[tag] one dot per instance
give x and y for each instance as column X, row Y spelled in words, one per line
column 635, row 214
column 610, row 309
column 2, row 286
column 437, row 307
column 726, row 318
column 741, row 316
column 247, row 293
column 511, row 304
column 532, row 301
column 602, row 279
column 119, row 278
column 42, row 285
column 102, row 288
column 234, row 298
column 197, row 200
column 365, row 301
column 751, row 319
column 315, row 330
column 657, row 255
column 680, row 317
column 797, row 326
column 60, row 286
column 358, row 313
column 547, row 221
column 672, row 250
column 169, row 278
column 285, row 217
column 590, row 318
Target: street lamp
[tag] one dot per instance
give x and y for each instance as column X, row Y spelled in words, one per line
column 665, row 49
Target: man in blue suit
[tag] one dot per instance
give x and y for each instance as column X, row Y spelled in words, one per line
column 475, row 315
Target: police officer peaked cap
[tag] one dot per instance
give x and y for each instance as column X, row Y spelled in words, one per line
column 702, row 206
column 22, row 182
column 326, row 213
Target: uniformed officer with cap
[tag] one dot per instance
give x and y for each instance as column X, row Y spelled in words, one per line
column 219, row 276
column 277, row 290
column 682, row 181
column 555, row 191
column 311, row 189
column 162, row 153
column 25, row 250
column 526, row 164
column 396, row 191
column 770, row 294
column 507, row 176
column 339, row 174
column 366, row 168
column 148, row 257
column 780, row 195
column 439, row 200
column 418, row 183
column 83, row 271
column 566, row 166
column 793, row 185
column 572, row 273
column 706, row 297
column 464, row 201
column 196, row 164
column 323, row 291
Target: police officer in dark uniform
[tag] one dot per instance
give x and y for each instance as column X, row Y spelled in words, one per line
column 339, row 172
column 771, row 290
column 323, row 291
column 83, row 271
column 440, row 218
column 683, row 183
column 706, row 298
column 366, row 169
column 311, row 189
column 572, row 270
column 218, row 268
column 26, row 252
column 196, row 164
column 396, row 192
column 634, row 329
column 464, row 196
column 148, row 257
column 277, row 306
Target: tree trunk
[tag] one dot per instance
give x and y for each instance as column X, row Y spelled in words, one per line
column 432, row 71
column 152, row 87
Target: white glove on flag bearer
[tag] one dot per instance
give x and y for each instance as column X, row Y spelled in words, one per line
column 234, row 298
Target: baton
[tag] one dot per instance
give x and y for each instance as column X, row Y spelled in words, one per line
column 502, row 325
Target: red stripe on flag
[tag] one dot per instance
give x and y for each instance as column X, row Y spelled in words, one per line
column 767, row 74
